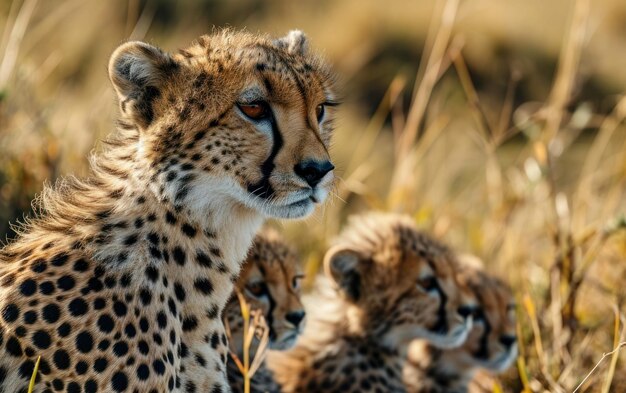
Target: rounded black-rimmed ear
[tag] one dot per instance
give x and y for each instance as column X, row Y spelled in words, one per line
column 342, row 265
column 295, row 42
column 137, row 71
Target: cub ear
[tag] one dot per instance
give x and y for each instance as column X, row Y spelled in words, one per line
column 138, row 71
column 342, row 265
column 295, row 42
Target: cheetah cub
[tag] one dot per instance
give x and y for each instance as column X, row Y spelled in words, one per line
column 120, row 280
column 270, row 282
column 388, row 284
column 491, row 345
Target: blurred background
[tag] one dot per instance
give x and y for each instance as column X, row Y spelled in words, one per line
column 497, row 124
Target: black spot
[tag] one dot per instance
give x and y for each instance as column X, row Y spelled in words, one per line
column 138, row 223
column 204, row 260
column 84, row 342
column 172, row 306
column 10, row 313
column 58, row 384
column 64, row 329
column 190, row 387
column 204, row 285
column 81, row 265
column 120, row 348
column 119, row 382
column 61, row 359
column 152, row 273
column 200, row 360
column 51, row 313
column 189, row 230
column 30, row 317
column 46, row 288
column 143, row 347
column 213, row 312
column 100, row 365
column 39, row 266
column 78, row 307
column 190, row 323
column 13, row 347
column 143, row 325
column 215, row 340
column 105, row 323
column 59, row 259
column 179, row 290
column 26, row 369
column 110, row 281
column 162, row 320
column 179, row 256
column 119, row 309
column 41, row 339
column 130, row 239
column 81, row 367
column 146, row 296
column 125, row 280
column 28, row 287
column 94, row 284
column 103, row 345
column 130, row 330
column 170, row 218
column 91, row 386
column 20, row 331
column 99, row 303
column 159, row 367
column 66, row 283
column 153, row 238
column 143, row 372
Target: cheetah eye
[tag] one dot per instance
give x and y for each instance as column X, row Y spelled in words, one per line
column 297, row 281
column 319, row 111
column 428, row 283
column 258, row 110
column 257, row 289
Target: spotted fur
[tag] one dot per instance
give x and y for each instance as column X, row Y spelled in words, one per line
column 270, row 283
column 120, row 280
column 387, row 284
column 491, row 345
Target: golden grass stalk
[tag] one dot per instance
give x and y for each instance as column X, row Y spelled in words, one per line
column 31, row 385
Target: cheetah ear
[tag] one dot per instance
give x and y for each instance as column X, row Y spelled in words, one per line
column 138, row 71
column 295, row 42
column 342, row 266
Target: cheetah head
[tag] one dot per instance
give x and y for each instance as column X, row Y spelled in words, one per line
column 400, row 282
column 235, row 119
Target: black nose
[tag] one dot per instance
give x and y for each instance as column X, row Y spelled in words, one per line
column 508, row 340
column 313, row 171
column 295, row 317
column 466, row 311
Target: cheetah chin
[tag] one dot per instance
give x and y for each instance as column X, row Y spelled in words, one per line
column 455, row 337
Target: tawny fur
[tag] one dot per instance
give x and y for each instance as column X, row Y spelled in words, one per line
column 370, row 306
column 119, row 281
column 270, row 284
column 490, row 346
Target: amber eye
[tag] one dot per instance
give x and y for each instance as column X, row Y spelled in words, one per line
column 257, row 289
column 428, row 283
column 255, row 110
column 297, row 281
column 319, row 111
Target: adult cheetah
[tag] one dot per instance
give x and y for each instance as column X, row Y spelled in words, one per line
column 119, row 281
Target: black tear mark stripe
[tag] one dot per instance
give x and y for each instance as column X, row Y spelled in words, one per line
column 263, row 188
column 442, row 322
column 483, row 349
column 270, row 315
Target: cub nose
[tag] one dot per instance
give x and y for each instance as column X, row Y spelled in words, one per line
column 313, row 171
column 295, row 317
column 466, row 311
column 508, row 340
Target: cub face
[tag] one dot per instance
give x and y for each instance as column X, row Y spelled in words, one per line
column 235, row 117
column 492, row 343
column 269, row 282
column 402, row 280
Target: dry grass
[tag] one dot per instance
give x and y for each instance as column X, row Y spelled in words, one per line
column 498, row 125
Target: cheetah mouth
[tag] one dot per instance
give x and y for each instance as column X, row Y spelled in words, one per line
column 501, row 362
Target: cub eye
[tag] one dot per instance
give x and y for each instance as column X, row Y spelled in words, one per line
column 296, row 281
column 319, row 112
column 257, row 289
column 428, row 283
column 255, row 110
